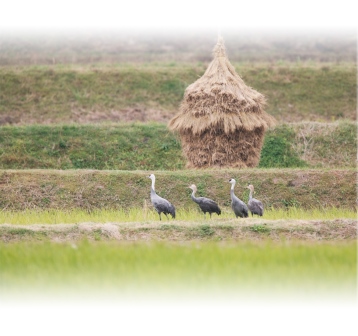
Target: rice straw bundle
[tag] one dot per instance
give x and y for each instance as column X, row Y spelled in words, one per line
column 221, row 121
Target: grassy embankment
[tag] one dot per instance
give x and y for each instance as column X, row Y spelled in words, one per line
column 92, row 93
column 91, row 189
column 151, row 146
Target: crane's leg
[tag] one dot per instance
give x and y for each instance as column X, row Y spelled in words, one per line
column 160, row 217
column 166, row 216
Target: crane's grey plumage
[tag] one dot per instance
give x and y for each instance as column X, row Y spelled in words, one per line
column 238, row 206
column 255, row 206
column 205, row 204
column 161, row 205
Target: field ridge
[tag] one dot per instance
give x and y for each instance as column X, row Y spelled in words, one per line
column 248, row 229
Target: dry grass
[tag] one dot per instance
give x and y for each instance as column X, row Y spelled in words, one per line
column 315, row 143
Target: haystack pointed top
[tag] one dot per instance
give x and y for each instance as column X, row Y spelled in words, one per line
column 219, row 49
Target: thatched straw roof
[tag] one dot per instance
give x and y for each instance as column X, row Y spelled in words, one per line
column 220, row 100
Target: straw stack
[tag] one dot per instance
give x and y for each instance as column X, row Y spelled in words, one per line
column 221, row 121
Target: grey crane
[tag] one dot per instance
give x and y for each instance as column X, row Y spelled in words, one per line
column 161, row 205
column 205, row 204
column 255, row 206
column 238, row 206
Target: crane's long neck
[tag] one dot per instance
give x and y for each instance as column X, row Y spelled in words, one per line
column 250, row 196
column 232, row 190
column 193, row 196
column 153, row 185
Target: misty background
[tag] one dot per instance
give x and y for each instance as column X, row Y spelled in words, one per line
column 139, row 45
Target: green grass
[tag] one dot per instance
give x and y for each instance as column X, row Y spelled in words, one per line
column 143, row 215
column 123, row 147
column 278, row 151
column 310, row 144
column 151, row 146
column 65, row 93
column 249, row 267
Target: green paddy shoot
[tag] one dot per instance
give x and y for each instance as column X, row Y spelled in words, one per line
column 28, row 217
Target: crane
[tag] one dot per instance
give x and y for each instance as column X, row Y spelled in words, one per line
column 205, row 204
column 238, row 206
column 161, row 205
column 255, row 206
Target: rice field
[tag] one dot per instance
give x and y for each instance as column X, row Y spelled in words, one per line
column 248, row 268
column 202, row 259
column 53, row 216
